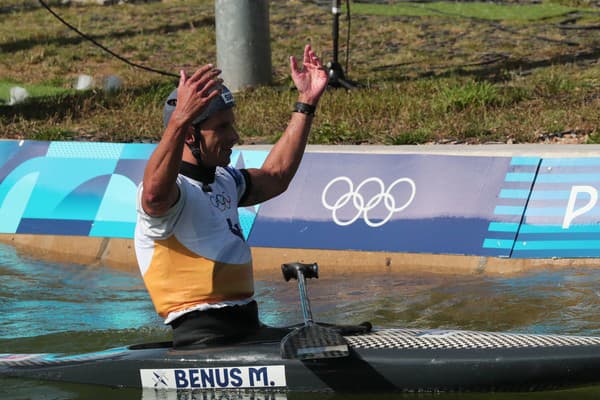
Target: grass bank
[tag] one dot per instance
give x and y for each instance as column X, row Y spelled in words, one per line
column 434, row 72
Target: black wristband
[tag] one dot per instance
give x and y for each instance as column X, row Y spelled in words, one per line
column 304, row 108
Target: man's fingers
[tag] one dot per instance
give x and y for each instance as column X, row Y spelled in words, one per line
column 205, row 81
column 213, row 84
column 212, row 95
column 307, row 51
column 207, row 76
column 200, row 72
column 315, row 60
column 294, row 65
column 182, row 77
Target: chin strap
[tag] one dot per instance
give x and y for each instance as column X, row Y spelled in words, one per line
column 195, row 146
column 195, row 150
column 204, row 174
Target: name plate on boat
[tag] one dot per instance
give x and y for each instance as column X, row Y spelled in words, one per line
column 265, row 376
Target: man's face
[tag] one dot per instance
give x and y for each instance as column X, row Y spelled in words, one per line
column 218, row 136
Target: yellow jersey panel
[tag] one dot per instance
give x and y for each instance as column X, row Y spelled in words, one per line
column 179, row 279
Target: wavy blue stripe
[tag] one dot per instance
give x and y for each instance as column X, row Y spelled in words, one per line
column 557, row 245
column 571, row 169
column 113, row 229
column 588, row 228
column 519, row 177
column 509, row 210
column 568, row 178
column 569, row 162
column 503, row 227
column 578, row 253
column 497, row 243
column 566, row 235
column 137, row 151
column 524, row 161
column 514, row 194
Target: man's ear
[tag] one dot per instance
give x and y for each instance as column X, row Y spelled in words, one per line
column 189, row 136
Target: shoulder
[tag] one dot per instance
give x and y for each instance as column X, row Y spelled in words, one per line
column 233, row 174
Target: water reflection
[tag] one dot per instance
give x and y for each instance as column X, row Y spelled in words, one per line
column 554, row 302
column 151, row 394
column 67, row 308
column 25, row 390
column 44, row 298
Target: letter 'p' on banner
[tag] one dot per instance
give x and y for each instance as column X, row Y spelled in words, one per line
column 572, row 211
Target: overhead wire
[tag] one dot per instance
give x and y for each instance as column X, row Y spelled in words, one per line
column 106, row 49
column 154, row 70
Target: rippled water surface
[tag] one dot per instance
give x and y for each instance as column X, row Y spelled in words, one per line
column 50, row 307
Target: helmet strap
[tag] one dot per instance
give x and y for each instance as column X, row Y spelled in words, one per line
column 201, row 173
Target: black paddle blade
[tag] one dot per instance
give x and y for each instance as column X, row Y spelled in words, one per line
column 313, row 341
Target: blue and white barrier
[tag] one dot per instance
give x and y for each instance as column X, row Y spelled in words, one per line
column 509, row 207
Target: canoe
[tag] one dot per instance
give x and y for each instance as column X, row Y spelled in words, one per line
column 382, row 360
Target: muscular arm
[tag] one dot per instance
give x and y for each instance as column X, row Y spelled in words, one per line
column 160, row 175
column 160, row 189
column 284, row 158
column 282, row 162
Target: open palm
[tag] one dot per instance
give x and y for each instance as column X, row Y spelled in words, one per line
column 311, row 79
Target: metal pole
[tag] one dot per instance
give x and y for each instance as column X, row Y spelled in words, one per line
column 336, row 11
column 243, row 42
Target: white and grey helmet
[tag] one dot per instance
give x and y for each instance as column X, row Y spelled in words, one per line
column 222, row 102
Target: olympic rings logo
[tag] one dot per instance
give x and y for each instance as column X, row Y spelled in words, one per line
column 221, row 201
column 363, row 207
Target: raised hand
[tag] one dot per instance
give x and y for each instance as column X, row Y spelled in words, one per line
column 311, row 79
column 196, row 92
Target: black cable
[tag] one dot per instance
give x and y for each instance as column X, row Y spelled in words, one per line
column 83, row 35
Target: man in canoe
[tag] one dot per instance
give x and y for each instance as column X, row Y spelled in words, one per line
column 190, row 248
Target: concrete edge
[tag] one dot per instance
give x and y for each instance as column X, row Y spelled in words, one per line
column 490, row 150
column 111, row 252
column 120, row 254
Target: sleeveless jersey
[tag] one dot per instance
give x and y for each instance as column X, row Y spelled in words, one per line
column 195, row 257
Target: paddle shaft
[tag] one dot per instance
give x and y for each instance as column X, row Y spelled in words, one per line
column 310, row 341
column 304, row 302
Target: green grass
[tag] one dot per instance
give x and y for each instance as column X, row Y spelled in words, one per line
column 470, row 94
column 440, row 72
column 482, row 10
column 34, row 90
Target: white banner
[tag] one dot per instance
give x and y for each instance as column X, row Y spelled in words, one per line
column 267, row 376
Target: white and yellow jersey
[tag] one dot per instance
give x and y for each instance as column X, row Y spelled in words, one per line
column 195, row 257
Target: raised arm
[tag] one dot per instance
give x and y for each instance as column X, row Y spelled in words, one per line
column 160, row 190
column 284, row 158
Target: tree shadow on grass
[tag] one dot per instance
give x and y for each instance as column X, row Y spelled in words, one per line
column 25, row 44
column 500, row 69
column 23, row 7
column 494, row 69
